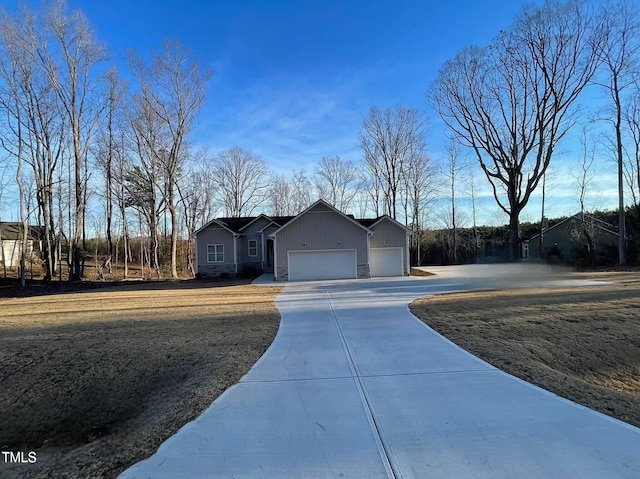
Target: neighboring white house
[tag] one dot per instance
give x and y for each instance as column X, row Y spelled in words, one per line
column 319, row 243
column 11, row 242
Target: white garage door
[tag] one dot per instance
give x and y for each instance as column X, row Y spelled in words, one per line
column 331, row 264
column 386, row 262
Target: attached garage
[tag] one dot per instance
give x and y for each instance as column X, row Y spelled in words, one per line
column 327, row 264
column 386, row 262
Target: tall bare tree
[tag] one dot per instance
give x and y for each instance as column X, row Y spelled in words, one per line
column 108, row 150
column 511, row 102
column 243, row 181
column 419, row 188
column 620, row 60
column 144, row 180
column 173, row 86
column 70, row 61
column 336, row 180
column 452, row 171
column 389, row 139
column 35, row 127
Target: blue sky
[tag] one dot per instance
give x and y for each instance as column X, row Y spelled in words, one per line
column 293, row 80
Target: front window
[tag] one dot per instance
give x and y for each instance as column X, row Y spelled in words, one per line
column 253, row 247
column 215, row 253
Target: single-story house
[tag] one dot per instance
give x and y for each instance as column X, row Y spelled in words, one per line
column 566, row 239
column 319, row 243
column 11, row 242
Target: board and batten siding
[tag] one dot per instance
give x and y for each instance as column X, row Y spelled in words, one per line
column 321, row 229
column 386, row 234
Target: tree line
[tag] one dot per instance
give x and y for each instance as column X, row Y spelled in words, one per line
column 76, row 134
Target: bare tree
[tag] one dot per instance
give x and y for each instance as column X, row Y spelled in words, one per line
column 107, row 152
column 620, row 60
column 389, row 139
column 584, row 178
column 280, row 196
column 70, row 62
column 512, row 101
column 173, row 86
column 121, row 166
column 300, row 192
column 41, row 135
column 472, row 195
column 195, row 188
column 452, row 171
column 419, row 186
column 336, row 180
column 632, row 121
column 243, row 181
column 144, row 180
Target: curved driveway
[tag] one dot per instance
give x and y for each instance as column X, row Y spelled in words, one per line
column 354, row 386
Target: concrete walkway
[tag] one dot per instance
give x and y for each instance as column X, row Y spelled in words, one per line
column 354, row 386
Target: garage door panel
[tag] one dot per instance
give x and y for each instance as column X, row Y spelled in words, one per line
column 386, row 262
column 318, row 265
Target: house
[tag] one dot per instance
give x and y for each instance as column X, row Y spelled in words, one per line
column 566, row 241
column 319, row 243
column 11, row 242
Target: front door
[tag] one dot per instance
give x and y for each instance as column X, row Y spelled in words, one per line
column 269, row 257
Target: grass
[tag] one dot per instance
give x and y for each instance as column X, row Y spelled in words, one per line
column 580, row 343
column 94, row 381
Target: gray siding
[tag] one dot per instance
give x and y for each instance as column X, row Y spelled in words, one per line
column 562, row 237
column 386, row 234
column 318, row 230
column 214, row 234
column 251, row 233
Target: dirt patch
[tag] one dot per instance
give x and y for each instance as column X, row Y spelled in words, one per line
column 419, row 272
column 97, row 380
column 581, row 343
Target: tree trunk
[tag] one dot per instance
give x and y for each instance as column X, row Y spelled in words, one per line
column 174, row 232
column 620, row 158
column 514, row 236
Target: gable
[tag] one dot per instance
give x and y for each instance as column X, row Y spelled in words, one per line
column 387, row 233
column 321, row 206
column 256, row 225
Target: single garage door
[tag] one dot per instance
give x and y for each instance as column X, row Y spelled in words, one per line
column 386, row 262
column 327, row 264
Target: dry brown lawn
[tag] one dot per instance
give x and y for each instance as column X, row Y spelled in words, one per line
column 94, row 381
column 580, row 343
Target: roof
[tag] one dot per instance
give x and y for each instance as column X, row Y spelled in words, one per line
column 13, row 231
column 236, row 225
column 383, row 217
column 602, row 225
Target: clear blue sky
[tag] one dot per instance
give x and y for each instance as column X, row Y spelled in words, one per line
column 293, row 80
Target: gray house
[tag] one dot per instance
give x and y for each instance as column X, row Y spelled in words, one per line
column 319, row 243
column 564, row 240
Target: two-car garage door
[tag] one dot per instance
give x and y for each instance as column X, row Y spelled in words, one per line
column 326, row 264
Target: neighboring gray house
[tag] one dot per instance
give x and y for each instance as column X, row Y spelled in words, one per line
column 562, row 240
column 11, row 242
column 319, row 243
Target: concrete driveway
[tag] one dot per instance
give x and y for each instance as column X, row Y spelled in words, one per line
column 354, row 386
